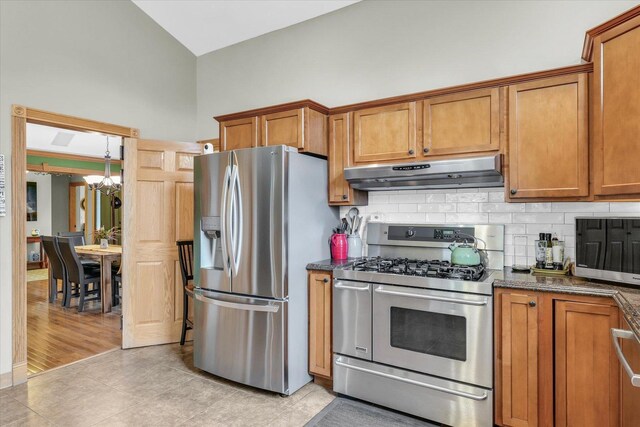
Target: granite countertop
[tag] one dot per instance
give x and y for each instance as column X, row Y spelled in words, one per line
column 627, row 298
column 330, row 264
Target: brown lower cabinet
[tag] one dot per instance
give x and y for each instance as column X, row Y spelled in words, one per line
column 555, row 363
column 320, row 323
column 630, row 399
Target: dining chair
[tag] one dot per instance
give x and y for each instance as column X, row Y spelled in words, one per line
column 56, row 266
column 185, row 254
column 77, row 274
column 116, row 276
column 78, row 240
column 77, row 236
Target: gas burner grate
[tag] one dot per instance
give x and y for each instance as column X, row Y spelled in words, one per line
column 423, row 268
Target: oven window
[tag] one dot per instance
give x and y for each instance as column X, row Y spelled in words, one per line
column 436, row 334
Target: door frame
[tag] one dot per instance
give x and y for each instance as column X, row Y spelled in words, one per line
column 20, row 116
column 72, row 203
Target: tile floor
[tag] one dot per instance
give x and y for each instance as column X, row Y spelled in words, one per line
column 152, row 386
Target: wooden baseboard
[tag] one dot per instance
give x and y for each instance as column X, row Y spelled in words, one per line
column 19, row 373
column 324, row 382
column 6, row 380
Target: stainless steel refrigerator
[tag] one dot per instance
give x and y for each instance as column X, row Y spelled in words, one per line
column 261, row 214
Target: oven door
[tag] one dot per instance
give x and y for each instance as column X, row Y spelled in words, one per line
column 439, row 333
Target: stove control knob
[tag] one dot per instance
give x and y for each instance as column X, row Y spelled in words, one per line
column 410, row 232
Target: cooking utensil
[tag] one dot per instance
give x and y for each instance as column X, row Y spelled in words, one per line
column 351, row 216
column 356, row 225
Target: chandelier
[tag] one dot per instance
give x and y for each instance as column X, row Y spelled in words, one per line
column 106, row 184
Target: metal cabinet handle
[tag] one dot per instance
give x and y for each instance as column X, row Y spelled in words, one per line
column 237, row 305
column 325, row 280
column 340, row 285
column 345, row 197
column 625, row 335
column 425, row 150
column 532, row 303
column 472, row 396
column 513, row 191
column 434, row 298
column 411, row 151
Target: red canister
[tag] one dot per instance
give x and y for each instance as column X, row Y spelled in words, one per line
column 338, row 245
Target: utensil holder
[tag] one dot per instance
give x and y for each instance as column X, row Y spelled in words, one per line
column 339, row 246
column 354, row 246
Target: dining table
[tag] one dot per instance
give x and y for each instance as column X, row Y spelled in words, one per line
column 106, row 257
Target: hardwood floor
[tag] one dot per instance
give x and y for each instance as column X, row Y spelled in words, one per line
column 57, row 336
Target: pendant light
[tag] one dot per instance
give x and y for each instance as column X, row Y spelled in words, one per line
column 106, row 184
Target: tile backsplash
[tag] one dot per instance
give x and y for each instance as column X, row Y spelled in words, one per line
column 523, row 221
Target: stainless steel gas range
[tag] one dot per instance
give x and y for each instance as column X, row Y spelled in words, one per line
column 412, row 331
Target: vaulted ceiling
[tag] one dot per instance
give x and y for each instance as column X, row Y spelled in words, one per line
column 207, row 25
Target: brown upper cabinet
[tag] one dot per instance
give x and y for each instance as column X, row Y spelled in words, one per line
column 462, row 123
column 302, row 125
column 548, row 141
column 385, row 134
column 616, row 109
column 340, row 192
column 302, row 128
column 284, row 128
column 239, row 133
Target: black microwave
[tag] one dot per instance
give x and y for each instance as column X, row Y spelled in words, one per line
column 608, row 249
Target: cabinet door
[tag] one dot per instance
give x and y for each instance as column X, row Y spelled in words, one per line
column 462, row 123
column 519, row 343
column 385, row 134
column 284, row 128
column 240, row 133
column 616, row 106
column 586, row 368
column 320, row 323
column 339, row 189
column 548, row 140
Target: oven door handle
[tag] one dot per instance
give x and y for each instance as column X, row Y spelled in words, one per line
column 433, row 297
column 626, row 335
column 472, row 396
column 340, row 285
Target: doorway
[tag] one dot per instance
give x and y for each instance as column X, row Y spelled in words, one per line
column 21, row 117
column 63, row 206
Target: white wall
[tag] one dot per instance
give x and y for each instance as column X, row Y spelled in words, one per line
column 376, row 49
column 523, row 221
column 102, row 60
column 44, row 204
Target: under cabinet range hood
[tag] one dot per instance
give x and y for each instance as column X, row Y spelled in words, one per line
column 452, row 173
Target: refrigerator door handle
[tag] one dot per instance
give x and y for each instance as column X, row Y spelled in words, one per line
column 272, row 225
column 236, row 203
column 237, row 305
column 225, row 221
